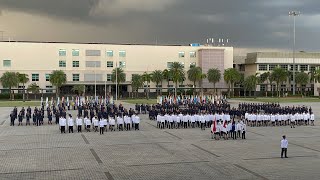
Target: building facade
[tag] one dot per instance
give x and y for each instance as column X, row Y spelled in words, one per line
column 91, row 64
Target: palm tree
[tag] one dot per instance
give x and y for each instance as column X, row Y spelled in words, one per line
column 316, row 78
column 279, row 75
column 58, row 78
column 167, row 76
column 265, row 77
column 194, row 74
column 119, row 76
column 9, row 80
column 23, row 78
column 157, row 77
column 177, row 73
column 79, row 89
column 302, row 78
column 34, row 89
column 250, row 83
column 214, row 76
column 202, row 76
column 147, row 78
column 231, row 76
column 136, row 82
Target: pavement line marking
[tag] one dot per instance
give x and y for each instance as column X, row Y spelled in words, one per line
column 43, row 171
column 35, row 148
column 3, row 122
column 173, row 135
column 304, row 147
column 85, row 139
column 93, row 152
column 191, row 162
column 152, row 125
column 255, row 133
column 251, row 172
column 249, row 159
column 205, row 150
column 109, row 176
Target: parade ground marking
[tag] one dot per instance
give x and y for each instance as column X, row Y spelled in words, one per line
column 96, row 156
column 251, row 172
column 304, row 147
column 205, row 150
column 85, row 139
column 157, row 164
column 173, row 135
column 109, row 176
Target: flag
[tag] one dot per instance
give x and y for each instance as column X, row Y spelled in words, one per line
column 214, row 127
column 41, row 101
column 47, row 102
column 225, row 124
column 58, row 101
column 51, row 101
column 68, row 101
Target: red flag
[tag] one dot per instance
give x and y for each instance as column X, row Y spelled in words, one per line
column 225, row 124
column 214, row 128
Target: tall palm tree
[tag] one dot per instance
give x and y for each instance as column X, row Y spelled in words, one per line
column 279, row 75
column 202, row 76
column 9, row 80
column 136, row 82
column 23, row 78
column 157, row 77
column 214, row 76
column 167, row 76
column 34, row 89
column 147, row 78
column 265, row 77
column 79, row 89
column 250, row 83
column 194, row 74
column 58, row 78
column 231, row 76
column 177, row 73
column 302, row 78
column 119, row 76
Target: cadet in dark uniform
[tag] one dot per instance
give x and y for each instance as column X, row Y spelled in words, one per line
column 12, row 118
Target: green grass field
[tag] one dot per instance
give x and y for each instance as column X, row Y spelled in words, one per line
column 19, row 103
column 139, row 101
column 280, row 100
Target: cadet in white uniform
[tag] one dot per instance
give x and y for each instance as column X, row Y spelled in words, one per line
column 292, row 120
column 101, row 125
column 79, row 123
column 70, row 123
column 95, row 123
column 62, row 123
column 120, row 123
column 284, row 147
column 312, row 118
column 88, row 123
column 112, row 122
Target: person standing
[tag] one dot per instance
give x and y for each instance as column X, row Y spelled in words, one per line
column 79, row 123
column 284, row 146
column 101, row 125
column 62, row 123
column 12, row 118
column 70, row 123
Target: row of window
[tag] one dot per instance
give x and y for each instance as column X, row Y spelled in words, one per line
column 169, row 64
column 75, row 77
column 192, row 54
column 76, row 52
column 301, row 67
column 110, row 64
column 263, row 87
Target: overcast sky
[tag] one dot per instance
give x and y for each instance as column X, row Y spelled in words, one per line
column 253, row 24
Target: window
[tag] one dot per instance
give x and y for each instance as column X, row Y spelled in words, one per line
column 35, row 77
column 312, row 68
column 6, row 63
column 93, row 53
column 291, row 67
column 75, row 77
column 109, row 63
column 263, row 87
column 93, row 64
column 62, row 63
column 122, row 64
column 110, row 53
column 62, row 52
column 75, row 63
column 304, row 67
column 193, row 64
column 170, row 86
column 169, row 64
column 283, row 87
column 182, row 64
column 47, row 77
column 75, row 52
column 263, row 67
column 122, row 54
column 109, row 77
column 272, row 66
column 181, row 54
column 49, row 89
column 284, row 66
column 192, row 54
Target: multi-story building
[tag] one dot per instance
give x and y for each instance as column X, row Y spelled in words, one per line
column 92, row 63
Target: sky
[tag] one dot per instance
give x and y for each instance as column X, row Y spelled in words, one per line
column 251, row 25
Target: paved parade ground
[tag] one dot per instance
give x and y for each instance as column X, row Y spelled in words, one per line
column 151, row 153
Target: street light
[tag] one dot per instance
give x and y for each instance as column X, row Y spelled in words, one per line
column 294, row 14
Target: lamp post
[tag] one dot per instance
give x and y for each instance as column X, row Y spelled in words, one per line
column 116, row 81
column 95, row 81
column 294, row 14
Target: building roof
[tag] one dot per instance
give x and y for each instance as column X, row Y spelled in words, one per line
column 252, row 57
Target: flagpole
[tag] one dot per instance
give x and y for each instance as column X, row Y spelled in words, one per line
column 95, row 80
column 116, row 81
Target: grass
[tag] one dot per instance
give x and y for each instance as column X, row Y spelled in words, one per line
column 139, row 101
column 280, row 100
column 19, row 103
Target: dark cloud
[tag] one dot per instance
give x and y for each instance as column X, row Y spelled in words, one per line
column 249, row 24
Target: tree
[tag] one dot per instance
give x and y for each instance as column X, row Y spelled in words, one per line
column 279, row 75
column 302, row 78
column 194, row 75
column 250, row 83
column 23, row 78
column 167, row 76
column 202, row 76
column 231, row 76
column 214, row 76
column 177, row 74
column 136, row 82
column 119, row 76
column 316, row 78
column 157, row 77
column 58, row 78
column 9, row 80
column 265, row 77
column 79, row 89
column 147, row 78
column 34, row 89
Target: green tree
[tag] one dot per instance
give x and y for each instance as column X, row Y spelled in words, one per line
column 177, row 74
column 79, row 89
column 231, row 76
column 58, row 78
column 23, row 78
column 34, row 89
column 119, row 76
column 214, row 76
column 302, row 78
column 136, row 82
column 250, row 83
column 279, row 76
column 265, row 77
column 157, row 77
column 10, row 80
column 147, row 78
column 316, row 77
column 167, row 76
column 194, row 75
